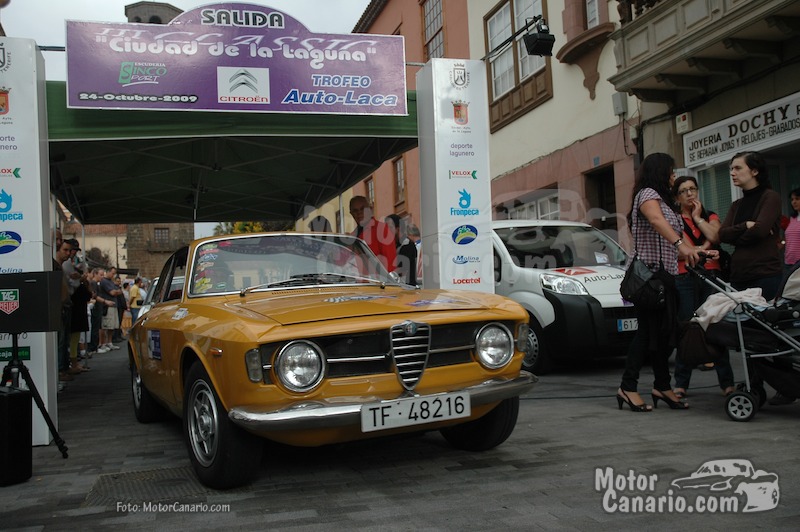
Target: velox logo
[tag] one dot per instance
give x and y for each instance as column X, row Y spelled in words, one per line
column 236, row 85
column 9, row 300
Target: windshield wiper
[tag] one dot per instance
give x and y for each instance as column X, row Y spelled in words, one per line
column 303, row 279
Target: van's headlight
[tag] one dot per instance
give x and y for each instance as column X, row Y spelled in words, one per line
column 494, row 346
column 562, row 285
column 300, row 366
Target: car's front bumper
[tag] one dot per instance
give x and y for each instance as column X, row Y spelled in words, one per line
column 339, row 412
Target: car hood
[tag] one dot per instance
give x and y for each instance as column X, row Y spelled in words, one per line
column 289, row 307
column 599, row 281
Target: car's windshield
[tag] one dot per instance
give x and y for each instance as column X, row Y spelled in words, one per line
column 560, row 246
column 280, row 261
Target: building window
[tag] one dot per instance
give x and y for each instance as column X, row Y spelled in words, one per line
column 434, row 30
column 544, row 208
column 371, row 192
column 399, row 181
column 592, row 15
column 518, row 81
column 161, row 236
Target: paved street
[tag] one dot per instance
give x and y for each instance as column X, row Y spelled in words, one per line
column 123, row 475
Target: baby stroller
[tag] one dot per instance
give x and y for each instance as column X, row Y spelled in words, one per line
column 766, row 336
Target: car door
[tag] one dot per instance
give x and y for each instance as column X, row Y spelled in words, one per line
column 163, row 338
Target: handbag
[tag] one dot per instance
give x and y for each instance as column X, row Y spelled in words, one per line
column 642, row 287
column 693, row 346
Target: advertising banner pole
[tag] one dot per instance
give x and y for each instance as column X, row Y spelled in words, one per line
column 25, row 215
column 455, row 185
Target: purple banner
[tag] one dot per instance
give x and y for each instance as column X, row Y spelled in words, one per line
column 234, row 57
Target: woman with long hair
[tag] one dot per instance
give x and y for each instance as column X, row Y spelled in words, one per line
column 657, row 234
column 753, row 227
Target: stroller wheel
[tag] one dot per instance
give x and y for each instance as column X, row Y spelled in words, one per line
column 741, row 406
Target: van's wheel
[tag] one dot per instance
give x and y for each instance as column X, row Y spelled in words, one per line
column 537, row 359
column 741, row 406
column 486, row 432
column 223, row 455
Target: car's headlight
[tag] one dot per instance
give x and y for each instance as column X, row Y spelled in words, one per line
column 494, row 345
column 300, row 366
column 562, row 285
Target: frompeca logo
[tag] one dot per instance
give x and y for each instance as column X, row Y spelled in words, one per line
column 718, row 486
column 243, row 85
column 5, row 208
column 9, row 241
column 137, row 73
column 11, row 172
column 465, row 234
column 464, row 204
column 9, row 300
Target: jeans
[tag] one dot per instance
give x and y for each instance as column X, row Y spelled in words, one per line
column 63, row 337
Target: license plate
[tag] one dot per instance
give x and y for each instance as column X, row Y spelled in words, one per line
column 414, row 411
column 627, row 324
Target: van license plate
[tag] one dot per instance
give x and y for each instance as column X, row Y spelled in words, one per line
column 627, row 324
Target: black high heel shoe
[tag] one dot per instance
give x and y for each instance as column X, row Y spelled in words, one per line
column 674, row 405
column 644, row 407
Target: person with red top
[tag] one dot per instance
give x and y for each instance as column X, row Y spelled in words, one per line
column 378, row 236
column 701, row 230
column 791, row 234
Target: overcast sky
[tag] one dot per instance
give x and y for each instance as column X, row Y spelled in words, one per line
column 43, row 20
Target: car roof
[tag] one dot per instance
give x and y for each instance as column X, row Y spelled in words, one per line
column 501, row 224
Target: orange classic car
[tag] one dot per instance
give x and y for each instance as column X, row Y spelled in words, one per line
column 305, row 339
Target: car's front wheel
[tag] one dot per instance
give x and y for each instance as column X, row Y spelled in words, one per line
column 486, row 432
column 145, row 407
column 537, row 359
column 223, row 455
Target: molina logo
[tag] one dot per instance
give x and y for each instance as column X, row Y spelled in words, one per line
column 464, row 202
column 465, row 234
column 5, row 99
column 465, row 259
column 243, row 85
column 135, row 73
column 9, row 241
column 461, row 112
column 9, row 300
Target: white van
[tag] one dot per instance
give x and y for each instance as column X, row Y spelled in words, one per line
column 566, row 275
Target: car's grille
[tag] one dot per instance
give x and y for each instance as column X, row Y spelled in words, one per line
column 392, row 351
column 410, row 347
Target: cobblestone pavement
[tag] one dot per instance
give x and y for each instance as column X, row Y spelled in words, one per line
column 124, row 475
